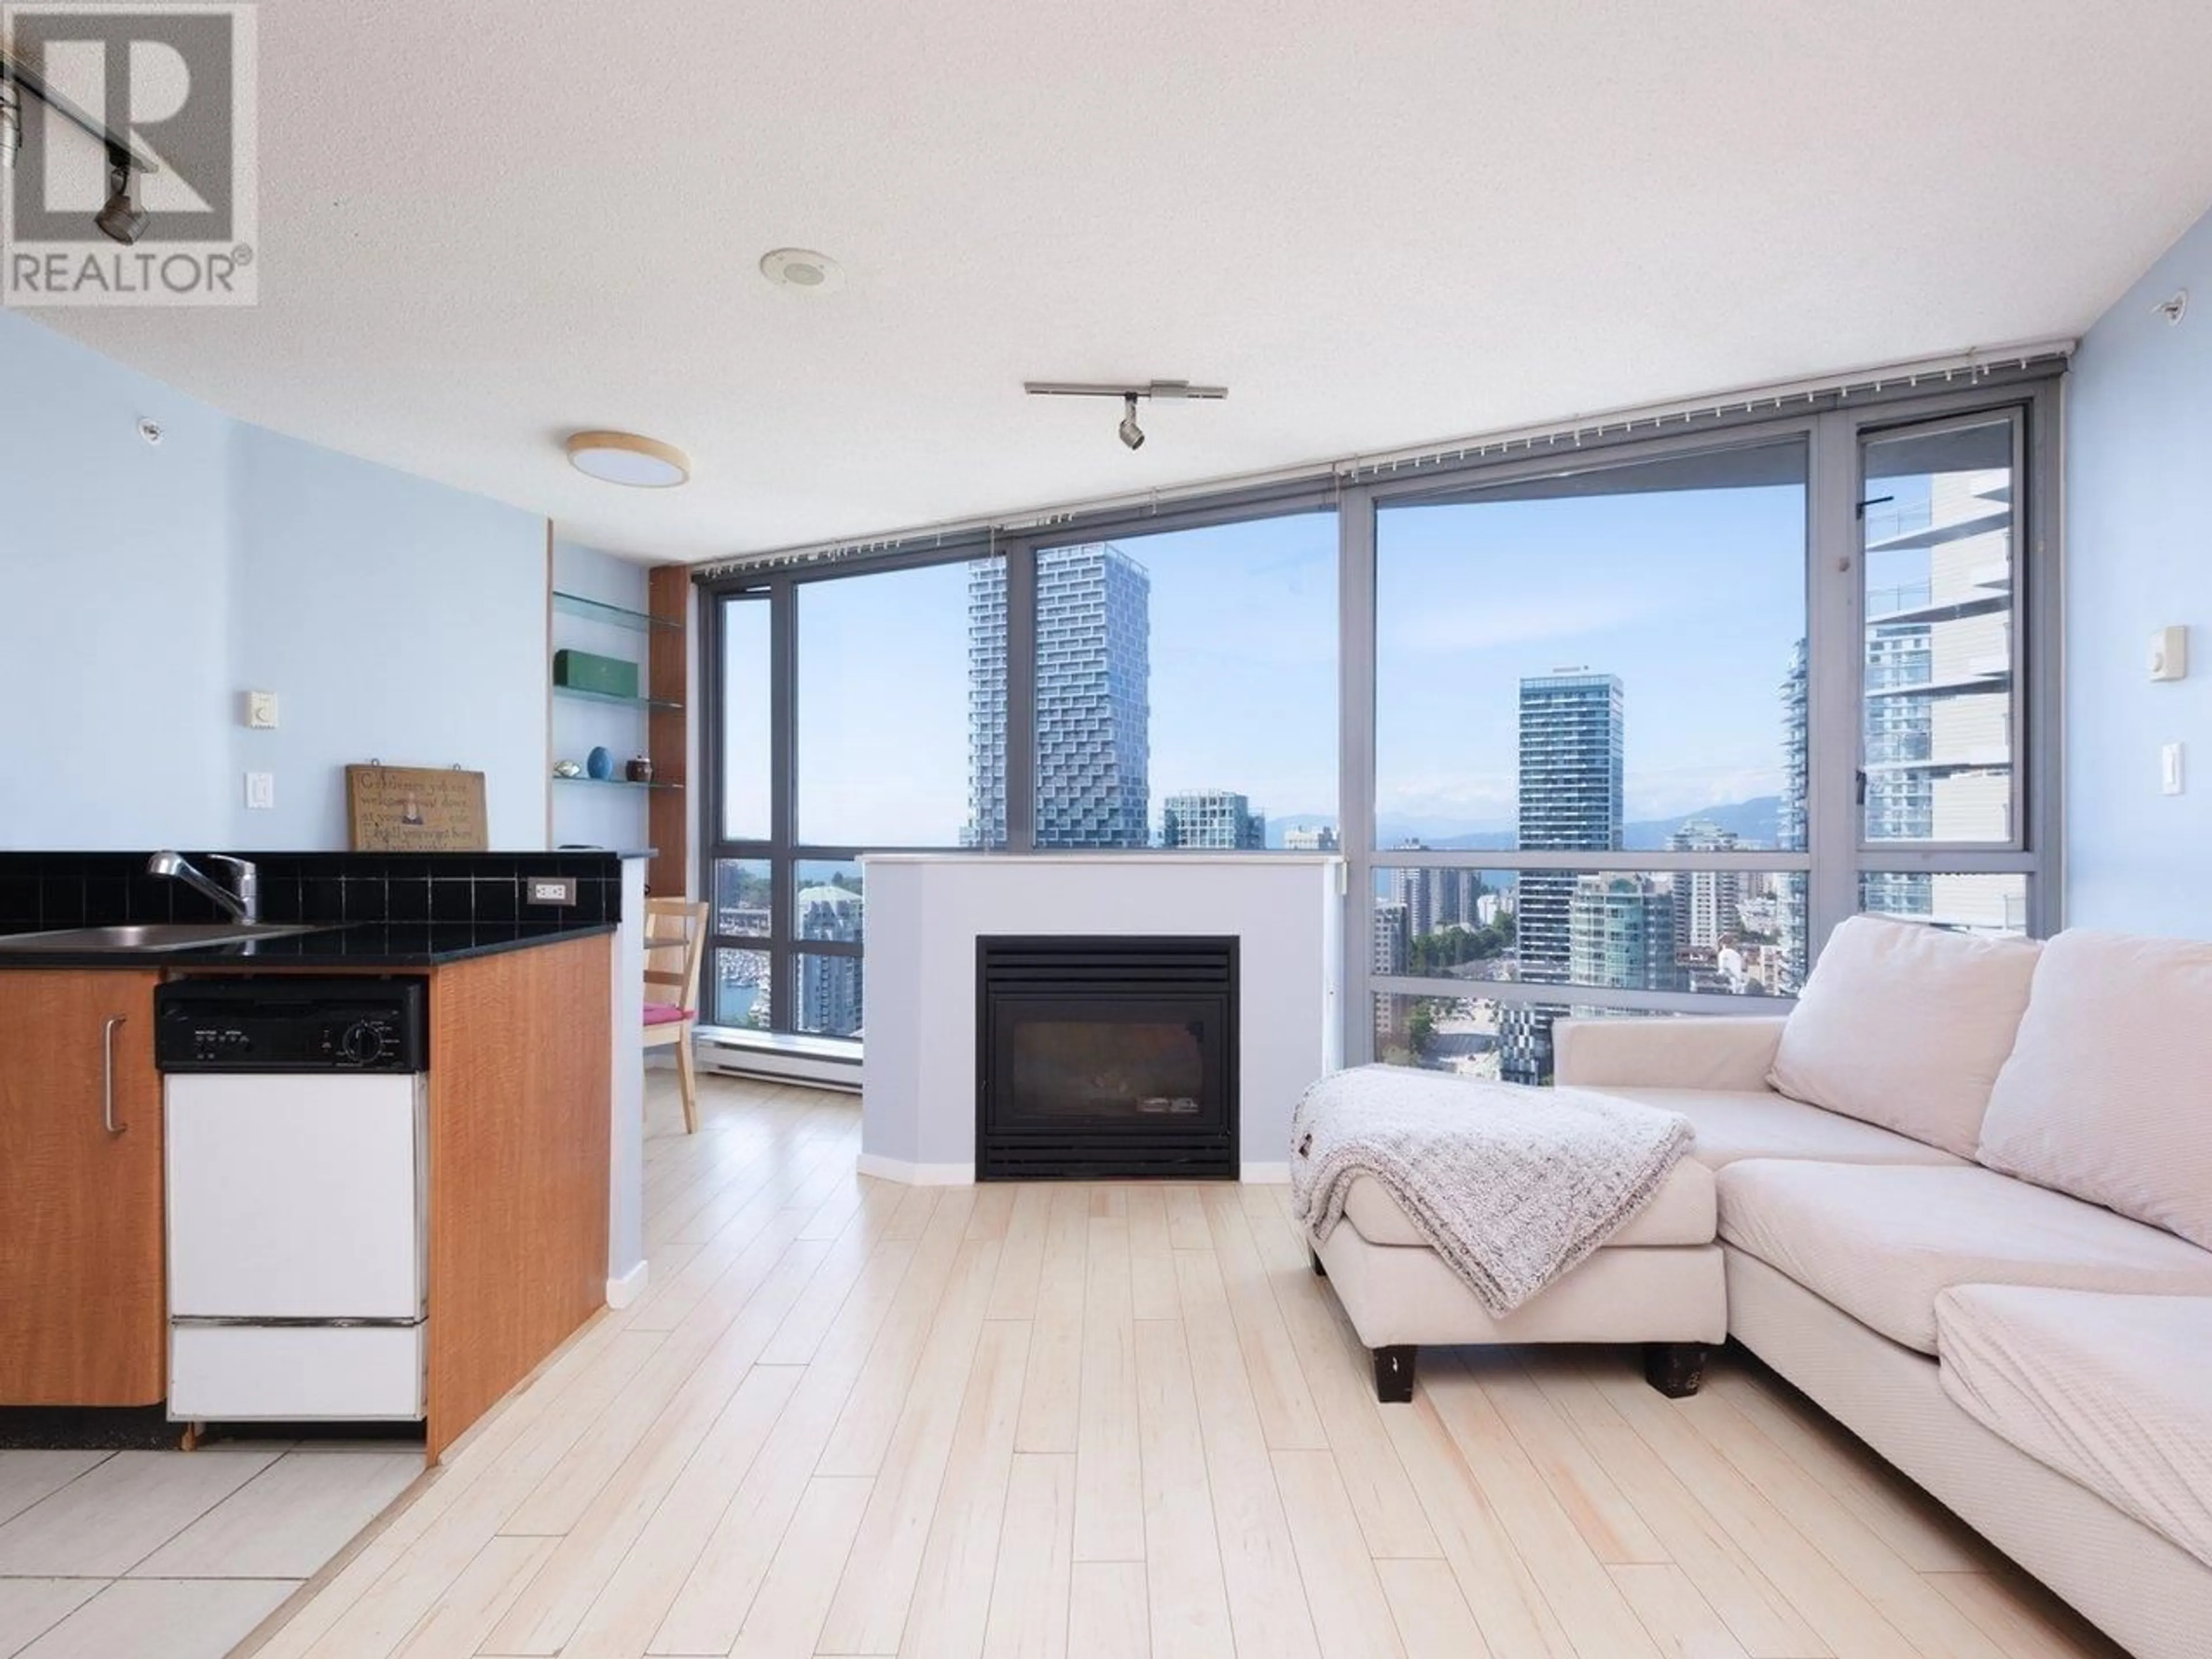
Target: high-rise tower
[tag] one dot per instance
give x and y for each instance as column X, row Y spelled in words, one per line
column 1219, row 818
column 1093, row 713
column 1570, row 801
column 1570, row 788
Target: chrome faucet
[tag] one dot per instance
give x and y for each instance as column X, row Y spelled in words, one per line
column 244, row 904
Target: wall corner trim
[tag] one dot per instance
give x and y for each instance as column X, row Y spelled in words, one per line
column 916, row 1174
column 621, row 1292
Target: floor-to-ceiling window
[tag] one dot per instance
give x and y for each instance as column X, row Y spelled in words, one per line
column 1615, row 728
column 1584, row 740
column 1185, row 689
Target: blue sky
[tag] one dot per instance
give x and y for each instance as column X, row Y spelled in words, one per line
column 1694, row 598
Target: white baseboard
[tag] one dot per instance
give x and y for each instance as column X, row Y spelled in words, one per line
column 963, row 1175
column 916, row 1174
column 621, row 1292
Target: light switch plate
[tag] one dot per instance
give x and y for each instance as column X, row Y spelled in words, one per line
column 2169, row 654
column 260, row 791
column 261, row 710
column 2169, row 769
column 552, row 889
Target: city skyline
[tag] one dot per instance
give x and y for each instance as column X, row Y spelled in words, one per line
column 1243, row 663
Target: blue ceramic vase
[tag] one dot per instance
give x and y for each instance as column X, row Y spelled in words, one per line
column 599, row 764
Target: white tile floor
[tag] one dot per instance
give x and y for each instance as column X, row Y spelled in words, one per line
column 124, row 1554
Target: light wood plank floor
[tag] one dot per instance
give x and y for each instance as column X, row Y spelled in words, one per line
column 1108, row 1421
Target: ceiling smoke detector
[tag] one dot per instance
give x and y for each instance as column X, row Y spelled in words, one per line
column 802, row 268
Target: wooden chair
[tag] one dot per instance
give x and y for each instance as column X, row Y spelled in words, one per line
column 675, row 943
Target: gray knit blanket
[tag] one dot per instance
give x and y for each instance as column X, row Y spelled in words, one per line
column 1511, row 1186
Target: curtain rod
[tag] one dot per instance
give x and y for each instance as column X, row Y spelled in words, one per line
column 1970, row 368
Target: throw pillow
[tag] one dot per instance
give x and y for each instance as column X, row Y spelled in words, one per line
column 2108, row 1093
column 1906, row 1026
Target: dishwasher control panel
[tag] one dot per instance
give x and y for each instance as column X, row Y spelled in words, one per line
column 287, row 1024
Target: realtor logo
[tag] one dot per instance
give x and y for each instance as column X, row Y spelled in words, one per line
column 136, row 185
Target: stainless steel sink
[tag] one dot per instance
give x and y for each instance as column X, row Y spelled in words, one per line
column 155, row 936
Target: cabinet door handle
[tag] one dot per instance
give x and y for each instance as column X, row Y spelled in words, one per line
column 107, row 1076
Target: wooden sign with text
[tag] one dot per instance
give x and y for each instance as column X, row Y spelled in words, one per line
column 415, row 808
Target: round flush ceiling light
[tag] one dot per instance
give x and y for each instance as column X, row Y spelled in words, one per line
column 624, row 458
column 801, row 268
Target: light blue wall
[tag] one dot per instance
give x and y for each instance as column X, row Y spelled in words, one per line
column 396, row 619
column 114, row 613
column 2139, row 558
column 143, row 590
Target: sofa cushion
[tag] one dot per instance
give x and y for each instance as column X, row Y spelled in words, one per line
column 1906, row 1026
column 2108, row 1389
column 1739, row 1123
column 2108, row 1093
column 1882, row 1242
column 1681, row 1212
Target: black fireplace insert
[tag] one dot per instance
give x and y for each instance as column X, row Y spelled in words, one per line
column 1101, row 1056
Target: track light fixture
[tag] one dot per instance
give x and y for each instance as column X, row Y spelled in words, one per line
column 1131, row 433
column 11, row 119
column 122, row 219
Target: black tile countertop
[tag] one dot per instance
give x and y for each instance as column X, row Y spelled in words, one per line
column 362, row 945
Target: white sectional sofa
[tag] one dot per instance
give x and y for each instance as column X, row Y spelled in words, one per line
column 2024, row 1327
column 1963, row 1198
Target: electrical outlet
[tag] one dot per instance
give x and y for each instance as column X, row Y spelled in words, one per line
column 261, row 711
column 260, row 791
column 552, row 889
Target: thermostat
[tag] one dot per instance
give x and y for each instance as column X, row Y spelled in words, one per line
column 2169, row 654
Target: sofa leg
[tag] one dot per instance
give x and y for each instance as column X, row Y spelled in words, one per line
column 1314, row 1257
column 1675, row 1369
column 1394, row 1374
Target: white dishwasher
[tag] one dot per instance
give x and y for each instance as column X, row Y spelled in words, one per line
column 296, row 1149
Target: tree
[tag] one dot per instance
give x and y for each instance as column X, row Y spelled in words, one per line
column 1421, row 1027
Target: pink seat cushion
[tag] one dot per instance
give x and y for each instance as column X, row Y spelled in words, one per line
column 665, row 1014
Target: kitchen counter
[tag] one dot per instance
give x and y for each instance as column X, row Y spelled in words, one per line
column 364, row 945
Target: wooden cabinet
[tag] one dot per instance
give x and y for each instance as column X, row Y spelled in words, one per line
column 83, row 1319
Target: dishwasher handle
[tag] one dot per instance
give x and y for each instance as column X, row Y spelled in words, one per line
column 107, row 1076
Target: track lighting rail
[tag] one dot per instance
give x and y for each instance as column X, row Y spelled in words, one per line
column 16, row 74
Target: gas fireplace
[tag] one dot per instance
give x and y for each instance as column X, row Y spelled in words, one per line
column 1105, row 1056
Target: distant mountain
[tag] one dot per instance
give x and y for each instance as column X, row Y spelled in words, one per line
column 1753, row 820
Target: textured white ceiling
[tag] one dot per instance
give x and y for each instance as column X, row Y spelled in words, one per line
column 489, row 222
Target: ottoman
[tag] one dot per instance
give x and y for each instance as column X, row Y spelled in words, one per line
column 1658, row 1281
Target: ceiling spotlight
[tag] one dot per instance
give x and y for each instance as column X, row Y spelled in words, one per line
column 624, row 458
column 1131, row 433
column 122, row 219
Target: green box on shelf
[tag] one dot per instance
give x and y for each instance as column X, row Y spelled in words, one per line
column 585, row 671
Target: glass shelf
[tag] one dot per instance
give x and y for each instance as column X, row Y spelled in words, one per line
column 575, row 605
column 615, row 783
column 578, row 691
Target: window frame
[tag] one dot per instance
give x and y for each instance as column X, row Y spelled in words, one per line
column 1832, row 425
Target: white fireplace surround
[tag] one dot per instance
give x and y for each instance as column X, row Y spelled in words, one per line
column 925, row 911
